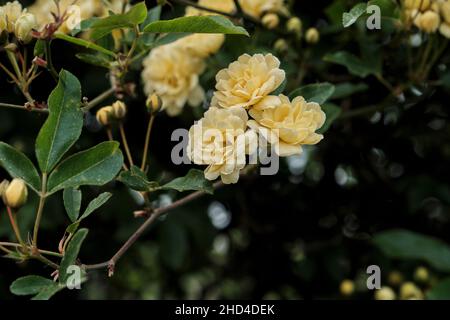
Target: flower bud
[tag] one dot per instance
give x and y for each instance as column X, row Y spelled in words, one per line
column 312, row 36
column 280, row 45
column 154, row 103
column 16, row 194
column 12, row 12
column 294, row 25
column 347, row 287
column 104, row 115
column 270, row 20
column 119, row 110
column 395, row 278
column 385, row 293
column 421, row 275
column 417, row 4
column 409, row 291
column 428, row 21
column 445, row 11
column 3, row 186
column 444, row 29
column 24, row 26
column 3, row 22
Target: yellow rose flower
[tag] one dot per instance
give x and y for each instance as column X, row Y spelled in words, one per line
column 3, row 22
column 247, row 81
column 290, row 124
column 174, row 76
column 256, row 8
column 200, row 44
column 219, row 5
column 220, row 140
column 12, row 11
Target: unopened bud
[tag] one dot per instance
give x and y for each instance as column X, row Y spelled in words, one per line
column 24, row 26
column 119, row 110
column 154, row 103
column 16, row 194
column 421, row 275
column 417, row 4
column 409, row 291
column 270, row 20
column 104, row 115
column 385, row 293
column 3, row 186
column 280, row 45
column 312, row 36
column 40, row 62
column 347, row 287
column 395, row 278
column 445, row 11
column 428, row 21
column 294, row 25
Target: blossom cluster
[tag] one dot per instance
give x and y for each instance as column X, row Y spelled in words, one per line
column 429, row 15
column 172, row 71
column 244, row 107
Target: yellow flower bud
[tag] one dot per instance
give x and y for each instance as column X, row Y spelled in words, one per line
column 24, row 26
column 385, row 293
column 154, row 103
column 3, row 186
column 280, row 45
column 270, row 20
column 104, row 115
column 395, row 278
column 12, row 12
column 445, row 11
column 16, row 194
column 444, row 29
column 312, row 35
column 421, row 5
column 294, row 25
column 428, row 21
column 347, row 287
column 119, row 109
column 409, row 291
column 421, row 275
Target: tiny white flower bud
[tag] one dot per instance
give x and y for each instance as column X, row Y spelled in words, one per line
column 280, row 45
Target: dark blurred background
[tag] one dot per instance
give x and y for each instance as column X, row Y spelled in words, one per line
column 294, row 235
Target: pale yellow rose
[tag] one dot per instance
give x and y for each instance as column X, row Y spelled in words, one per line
column 221, row 140
column 227, row 6
column 11, row 11
column 248, row 80
column 23, row 27
column 174, row 76
column 288, row 125
column 201, row 44
column 256, row 8
column 3, row 22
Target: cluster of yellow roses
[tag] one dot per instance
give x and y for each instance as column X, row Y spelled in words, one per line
column 429, row 15
column 243, row 91
column 14, row 19
column 172, row 71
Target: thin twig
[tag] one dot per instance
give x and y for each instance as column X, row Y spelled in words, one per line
column 110, row 264
column 125, row 144
column 16, row 106
column 147, row 141
column 94, row 102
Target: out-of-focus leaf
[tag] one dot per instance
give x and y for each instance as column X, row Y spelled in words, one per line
column 72, row 203
column 19, row 166
column 194, row 180
column 96, row 166
column 346, row 89
column 332, row 112
column 441, row 291
column 95, row 59
column 95, row 204
column 28, row 285
column 174, row 244
column 318, row 92
column 196, row 24
column 349, row 18
column 408, row 245
column 354, row 65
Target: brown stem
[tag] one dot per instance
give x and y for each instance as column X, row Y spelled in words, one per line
column 147, row 142
column 94, row 102
column 110, row 264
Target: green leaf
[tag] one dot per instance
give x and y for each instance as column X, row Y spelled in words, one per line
column 72, row 203
column 408, row 245
column 196, row 24
column 169, row 38
column 349, row 18
column 332, row 112
column 71, row 254
column 153, row 14
column 280, row 88
column 72, row 228
column 96, row 166
column 39, row 48
column 84, row 43
column 19, row 166
column 440, row 291
column 135, row 16
column 346, row 89
column 136, row 179
column 354, row 65
column 29, row 285
column 194, row 180
column 98, row 60
column 64, row 123
column 95, row 204
column 48, row 292
column 319, row 92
